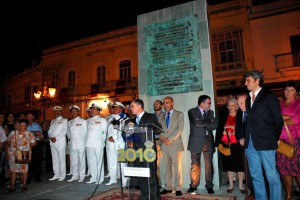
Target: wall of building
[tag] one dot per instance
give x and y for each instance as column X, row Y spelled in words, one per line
column 270, row 36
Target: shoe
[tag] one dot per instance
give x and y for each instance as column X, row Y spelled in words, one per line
column 243, row 191
column 87, row 174
column 61, row 179
column 251, row 197
column 24, row 190
column 91, row 181
column 106, row 176
column 210, row 191
column 165, row 191
column 54, row 178
column 81, row 180
column 111, row 183
column 99, row 183
column 192, row 190
column 11, row 190
column 69, row 174
column 296, row 193
column 230, row 190
column 178, row 193
column 73, row 179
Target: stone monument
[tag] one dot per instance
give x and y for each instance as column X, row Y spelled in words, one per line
column 175, row 60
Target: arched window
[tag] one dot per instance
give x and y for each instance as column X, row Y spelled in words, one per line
column 101, row 71
column 125, row 70
column 71, row 79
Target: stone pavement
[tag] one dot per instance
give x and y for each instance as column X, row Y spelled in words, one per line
column 64, row 190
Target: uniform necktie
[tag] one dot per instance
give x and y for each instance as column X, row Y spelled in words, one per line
column 138, row 119
column 168, row 119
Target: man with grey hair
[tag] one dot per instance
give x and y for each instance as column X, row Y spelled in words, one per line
column 263, row 128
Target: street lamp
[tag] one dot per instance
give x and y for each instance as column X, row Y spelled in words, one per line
column 44, row 96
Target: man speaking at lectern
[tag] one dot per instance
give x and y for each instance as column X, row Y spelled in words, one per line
column 144, row 118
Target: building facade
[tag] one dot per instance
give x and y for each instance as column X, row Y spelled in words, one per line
column 245, row 35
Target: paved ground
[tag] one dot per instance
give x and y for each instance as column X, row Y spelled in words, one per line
column 55, row 190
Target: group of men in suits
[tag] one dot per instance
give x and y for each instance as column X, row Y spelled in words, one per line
column 260, row 133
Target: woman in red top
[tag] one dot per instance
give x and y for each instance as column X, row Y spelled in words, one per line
column 234, row 162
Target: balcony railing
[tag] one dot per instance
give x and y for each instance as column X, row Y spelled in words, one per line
column 287, row 60
column 117, row 86
column 226, row 69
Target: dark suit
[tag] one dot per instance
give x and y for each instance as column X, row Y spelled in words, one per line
column 240, row 129
column 264, row 121
column 201, row 139
column 146, row 119
column 264, row 125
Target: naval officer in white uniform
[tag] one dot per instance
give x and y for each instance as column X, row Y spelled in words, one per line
column 77, row 135
column 95, row 144
column 115, row 142
column 57, row 134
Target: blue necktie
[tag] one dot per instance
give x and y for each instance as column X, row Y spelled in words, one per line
column 168, row 119
column 138, row 120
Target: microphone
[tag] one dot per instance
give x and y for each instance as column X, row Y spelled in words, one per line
column 113, row 117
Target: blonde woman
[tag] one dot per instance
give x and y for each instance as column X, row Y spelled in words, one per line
column 234, row 162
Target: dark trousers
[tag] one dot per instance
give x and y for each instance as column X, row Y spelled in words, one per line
column 35, row 167
column 152, row 183
column 49, row 166
column 196, row 168
column 2, row 167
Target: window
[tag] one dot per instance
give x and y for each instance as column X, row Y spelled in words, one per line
column 28, row 93
column 125, row 70
column 71, row 80
column 101, row 71
column 228, row 51
column 50, row 76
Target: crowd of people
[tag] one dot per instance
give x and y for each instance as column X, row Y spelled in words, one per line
column 251, row 124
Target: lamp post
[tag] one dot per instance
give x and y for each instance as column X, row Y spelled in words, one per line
column 44, row 96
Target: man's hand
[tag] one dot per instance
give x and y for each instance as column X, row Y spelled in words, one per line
column 165, row 140
column 111, row 139
column 53, row 139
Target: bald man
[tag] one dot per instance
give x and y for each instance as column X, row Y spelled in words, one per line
column 241, row 118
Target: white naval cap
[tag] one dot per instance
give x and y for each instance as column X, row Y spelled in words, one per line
column 94, row 105
column 118, row 104
column 74, row 107
column 110, row 104
column 56, row 108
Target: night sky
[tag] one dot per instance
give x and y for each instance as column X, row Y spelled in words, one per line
column 27, row 29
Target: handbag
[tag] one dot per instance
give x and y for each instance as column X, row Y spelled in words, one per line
column 225, row 149
column 285, row 148
column 22, row 157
